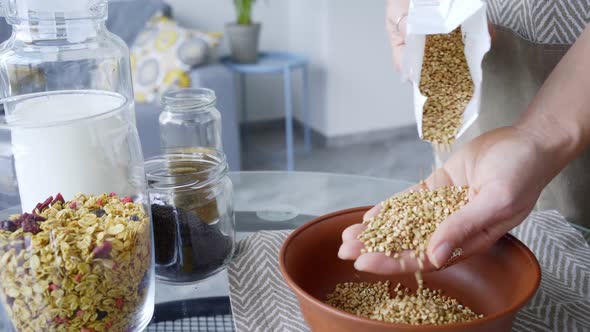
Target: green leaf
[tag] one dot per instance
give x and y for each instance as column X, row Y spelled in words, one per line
column 244, row 11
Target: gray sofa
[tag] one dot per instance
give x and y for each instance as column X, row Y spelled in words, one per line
column 126, row 19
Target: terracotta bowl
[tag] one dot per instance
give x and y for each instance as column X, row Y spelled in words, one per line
column 496, row 284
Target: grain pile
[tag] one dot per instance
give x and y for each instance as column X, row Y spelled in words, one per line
column 423, row 307
column 446, row 81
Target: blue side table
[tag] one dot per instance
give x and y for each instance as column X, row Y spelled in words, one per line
column 283, row 63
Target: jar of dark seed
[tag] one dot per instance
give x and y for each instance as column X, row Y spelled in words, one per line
column 193, row 218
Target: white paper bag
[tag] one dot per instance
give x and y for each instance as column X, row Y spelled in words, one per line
column 426, row 17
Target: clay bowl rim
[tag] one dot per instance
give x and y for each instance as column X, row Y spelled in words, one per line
column 342, row 314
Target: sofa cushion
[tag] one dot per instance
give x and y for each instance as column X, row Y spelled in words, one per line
column 163, row 55
column 127, row 18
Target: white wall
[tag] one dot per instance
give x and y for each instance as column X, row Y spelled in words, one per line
column 354, row 87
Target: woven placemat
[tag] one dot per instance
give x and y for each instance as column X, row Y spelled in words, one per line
column 261, row 300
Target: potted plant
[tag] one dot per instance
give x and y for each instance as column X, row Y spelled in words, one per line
column 244, row 34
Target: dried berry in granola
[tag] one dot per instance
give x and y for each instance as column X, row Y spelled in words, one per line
column 103, row 250
column 8, row 225
column 31, row 226
column 99, row 212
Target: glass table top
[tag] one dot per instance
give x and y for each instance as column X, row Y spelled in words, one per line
column 265, row 201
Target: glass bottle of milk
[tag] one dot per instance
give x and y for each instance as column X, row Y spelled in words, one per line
column 65, row 82
column 72, row 179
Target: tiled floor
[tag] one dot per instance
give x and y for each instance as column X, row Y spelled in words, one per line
column 403, row 156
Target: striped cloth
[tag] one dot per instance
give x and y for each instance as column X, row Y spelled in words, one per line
column 542, row 21
column 261, row 300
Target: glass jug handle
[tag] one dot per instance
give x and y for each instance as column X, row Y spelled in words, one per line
column 7, row 175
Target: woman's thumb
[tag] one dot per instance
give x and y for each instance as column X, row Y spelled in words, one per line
column 484, row 209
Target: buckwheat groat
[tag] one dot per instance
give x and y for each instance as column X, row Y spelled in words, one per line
column 446, row 81
column 407, row 221
column 423, row 307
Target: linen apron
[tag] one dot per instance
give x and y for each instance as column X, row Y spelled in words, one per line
column 531, row 38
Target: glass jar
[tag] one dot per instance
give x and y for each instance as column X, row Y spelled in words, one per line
column 75, row 232
column 190, row 120
column 193, row 215
column 61, row 45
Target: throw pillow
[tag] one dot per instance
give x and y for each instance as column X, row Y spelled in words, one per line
column 163, row 55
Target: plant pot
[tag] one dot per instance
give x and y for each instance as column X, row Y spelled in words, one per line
column 243, row 42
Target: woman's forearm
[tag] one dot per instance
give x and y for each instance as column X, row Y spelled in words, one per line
column 559, row 116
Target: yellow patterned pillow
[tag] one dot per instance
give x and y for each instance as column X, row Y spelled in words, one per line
column 164, row 53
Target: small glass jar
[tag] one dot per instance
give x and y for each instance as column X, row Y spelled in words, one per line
column 190, row 120
column 191, row 199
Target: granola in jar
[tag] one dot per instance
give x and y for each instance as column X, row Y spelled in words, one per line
column 79, row 265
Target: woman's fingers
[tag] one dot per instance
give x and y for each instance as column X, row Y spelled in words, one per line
column 351, row 247
column 395, row 22
column 372, row 213
column 397, row 57
column 350, row 250
column 490, row 207
column 396, row 16
column 379, row 263
column 351, row 233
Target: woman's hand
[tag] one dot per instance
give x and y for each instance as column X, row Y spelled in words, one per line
column 396, row 22
column 397, row 11
column 506, row 170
